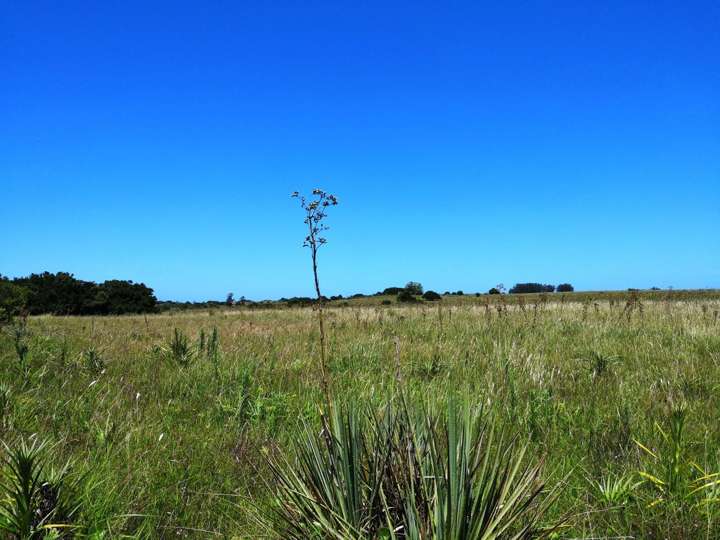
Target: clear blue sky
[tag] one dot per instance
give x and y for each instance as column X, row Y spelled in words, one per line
column 469, row 143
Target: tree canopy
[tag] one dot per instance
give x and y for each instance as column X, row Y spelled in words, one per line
column 63, row 294
column 523, row 288
column 12, row 300
column 413, row 287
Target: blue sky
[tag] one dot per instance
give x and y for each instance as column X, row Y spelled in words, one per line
column 469, row 143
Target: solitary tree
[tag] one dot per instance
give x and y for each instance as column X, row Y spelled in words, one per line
column 413, row 287
column 230, row 299
column 315, row 212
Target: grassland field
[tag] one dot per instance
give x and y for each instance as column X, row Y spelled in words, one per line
column 162, row 449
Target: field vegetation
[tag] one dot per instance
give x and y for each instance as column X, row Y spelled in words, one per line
column 174, row 424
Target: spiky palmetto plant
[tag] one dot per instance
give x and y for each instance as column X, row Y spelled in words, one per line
column 20, row 335
column 476, row 482
column 179, row 349
column 34, row 500
column 615, row 490
column 403, row 475
column 5, row 403
column 212, row 346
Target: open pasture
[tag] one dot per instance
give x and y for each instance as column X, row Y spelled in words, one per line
column 166, row 420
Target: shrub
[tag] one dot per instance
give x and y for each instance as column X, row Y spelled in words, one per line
column 565, row 287
column 431, row 296
column 494, row 290
column 386, row 302
column 300, row 301
column 392, row 290
column 406, row 296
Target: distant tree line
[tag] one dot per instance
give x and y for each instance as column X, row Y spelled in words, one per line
column 413, row 289
column 168, row 305
column 524, row 288
column 63, row 294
